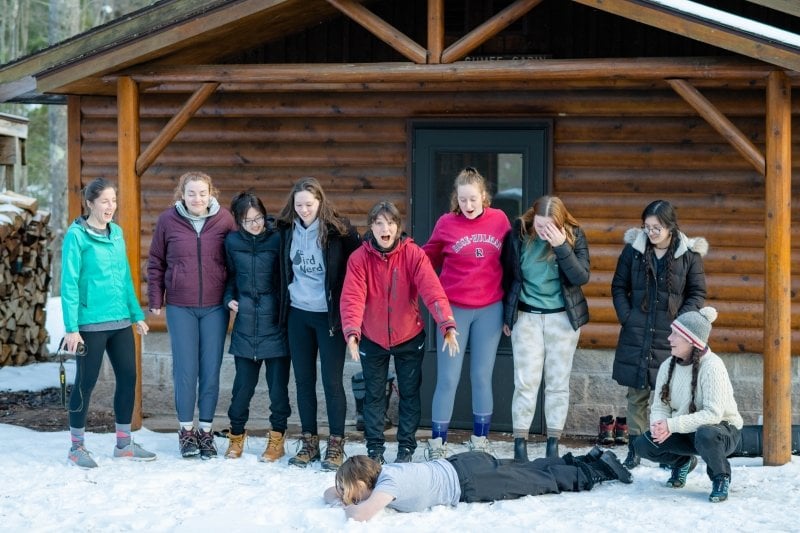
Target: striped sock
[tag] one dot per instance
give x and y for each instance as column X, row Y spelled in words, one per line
column 123, row 435
column 76, row 437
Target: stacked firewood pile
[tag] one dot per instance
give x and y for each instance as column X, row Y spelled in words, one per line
column 25, row 257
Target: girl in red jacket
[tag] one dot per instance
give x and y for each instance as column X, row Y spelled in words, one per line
column 381, row 318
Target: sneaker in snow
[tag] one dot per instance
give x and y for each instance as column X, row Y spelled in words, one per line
column 205, row 441
column 436, row 449
column 680, row 472
column 187, row 440
column 480, row 444
column 719, row 490
column 81, row 457
column 134, row 452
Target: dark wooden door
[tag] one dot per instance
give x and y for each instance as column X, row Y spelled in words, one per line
column 515, row 158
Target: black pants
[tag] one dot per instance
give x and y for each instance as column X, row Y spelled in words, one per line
column 121, row 353
column 408, row 367
column 309, row 333
column 276, row 370
column 713, row 442
column 484, row 478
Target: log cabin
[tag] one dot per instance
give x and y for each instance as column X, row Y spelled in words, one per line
column 608, row 104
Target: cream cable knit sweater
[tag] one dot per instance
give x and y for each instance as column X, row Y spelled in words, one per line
column 713, row 398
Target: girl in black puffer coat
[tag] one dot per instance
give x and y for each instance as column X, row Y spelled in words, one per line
column 659, row 276
column 253, row 292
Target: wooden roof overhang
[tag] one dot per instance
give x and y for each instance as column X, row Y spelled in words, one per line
column 156, row 62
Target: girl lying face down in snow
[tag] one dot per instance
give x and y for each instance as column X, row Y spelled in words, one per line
column 364, row 486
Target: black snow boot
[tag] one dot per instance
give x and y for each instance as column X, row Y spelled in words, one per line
column 605, row 468
column 552, row 448
column 632, row 460
column 520, row 450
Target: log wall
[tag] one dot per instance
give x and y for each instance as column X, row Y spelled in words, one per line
column 614, row 152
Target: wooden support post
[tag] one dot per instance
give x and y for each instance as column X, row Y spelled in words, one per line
column 74, row 168
column 129, row 202
column 777, row 296
column 382, row 30
column 174, row 127
column 487, row 30
column 435, row 30
column 720, row 122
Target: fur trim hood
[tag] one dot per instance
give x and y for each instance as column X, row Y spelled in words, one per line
column 638, row 240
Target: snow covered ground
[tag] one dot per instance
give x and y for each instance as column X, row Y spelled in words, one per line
column 39, row 491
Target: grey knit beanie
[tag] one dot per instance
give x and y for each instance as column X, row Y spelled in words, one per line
column 695, row 326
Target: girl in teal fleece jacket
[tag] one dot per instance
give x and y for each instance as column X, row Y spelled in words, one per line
column 99, row 306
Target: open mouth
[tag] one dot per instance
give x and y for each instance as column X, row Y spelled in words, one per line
column 386, row 239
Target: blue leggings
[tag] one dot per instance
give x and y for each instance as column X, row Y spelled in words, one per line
column 197, row 335
column 481, row 329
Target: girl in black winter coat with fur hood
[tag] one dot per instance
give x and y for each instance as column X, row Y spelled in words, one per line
column 659, row 276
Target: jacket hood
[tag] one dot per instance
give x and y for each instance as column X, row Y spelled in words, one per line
column 638, row 240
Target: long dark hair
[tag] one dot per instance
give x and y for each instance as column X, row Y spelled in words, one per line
column 665, row 213
column 327, row 214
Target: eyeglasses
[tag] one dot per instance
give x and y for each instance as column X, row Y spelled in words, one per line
column 253, row 221
column 652, row 229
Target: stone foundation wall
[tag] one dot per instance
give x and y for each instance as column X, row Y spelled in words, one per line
column 593, row 392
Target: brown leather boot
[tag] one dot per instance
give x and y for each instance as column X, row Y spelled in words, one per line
column 235, row 445
column 309, row 451
column 334, row 454
column 274, row 449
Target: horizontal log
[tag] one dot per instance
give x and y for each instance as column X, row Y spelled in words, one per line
column 640, row 68
column 702, row 206
column 648, row 156
column 743, row 261
column 521, row 103
column 651, row 181
column 257, row 130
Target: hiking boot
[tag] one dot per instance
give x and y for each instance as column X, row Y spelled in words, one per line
column 719, row 488
column 81, row 457
column 309, row 451
column 605, row 434
column 187, row 440
column 436, row 449
column 632, row 460
column 235, row 445
column 621, row 430
column 205, row 441
column 681, row 471
column 520, row 450
column 134, row 452
column 480, row 444
column 377, row 456
column 551, row 451
column 334, row 454
column 275, row 449
column 404, row 455
column 610, row 462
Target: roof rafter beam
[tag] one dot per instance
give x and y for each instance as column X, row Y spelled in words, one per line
column 790, row 7
column 487, row 30
column 717, row 120
column 706, row 30
column 435, row 30
column 463, row 71
column 382, row 30
column 173, row 127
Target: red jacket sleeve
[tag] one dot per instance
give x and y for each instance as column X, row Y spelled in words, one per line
column 430, row 290
column 354, row 295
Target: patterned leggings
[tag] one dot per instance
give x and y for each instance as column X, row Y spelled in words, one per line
column 542, row 344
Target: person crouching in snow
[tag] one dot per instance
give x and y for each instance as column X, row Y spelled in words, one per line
column 697, row 412
column 365, row 487
column 381, row 318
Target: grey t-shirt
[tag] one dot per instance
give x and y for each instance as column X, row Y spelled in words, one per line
column 418, row 486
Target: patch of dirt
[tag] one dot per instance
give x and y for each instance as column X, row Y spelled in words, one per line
column 42, row 411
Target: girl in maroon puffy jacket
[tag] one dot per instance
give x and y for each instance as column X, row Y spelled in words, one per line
column 186, row 271
column 381, row 318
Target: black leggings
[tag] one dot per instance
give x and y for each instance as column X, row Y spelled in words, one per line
column 119, row 345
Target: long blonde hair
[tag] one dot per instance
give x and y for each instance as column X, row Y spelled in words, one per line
column 553, row 207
